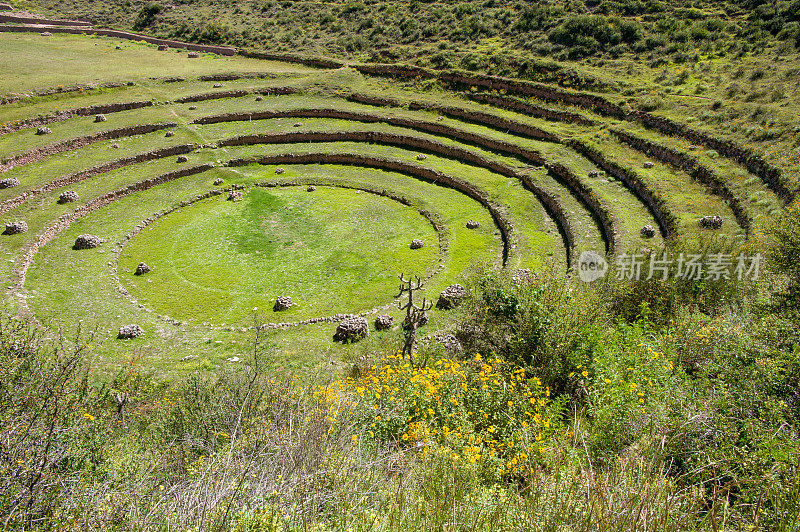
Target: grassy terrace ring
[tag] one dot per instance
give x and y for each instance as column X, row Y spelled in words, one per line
column 334, row 251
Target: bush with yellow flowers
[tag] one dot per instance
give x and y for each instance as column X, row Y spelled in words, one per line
column 483, row 412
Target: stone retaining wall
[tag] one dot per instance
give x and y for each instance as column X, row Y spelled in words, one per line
column 66, row 115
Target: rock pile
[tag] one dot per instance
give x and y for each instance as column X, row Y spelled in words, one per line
column 169, row 134
column 43, row 130
column 417, row 244
column 383, row 322
column 711, row 222
column 142, row 269
column 87, row 242
column 259, row 98
column 15, row 228
column 421, row 157
column 311, row 188
column 351, row 330
column 279, row 171
column 129, row 331
column 183, row 159
column 648, row 164
column 9, row 182
column 100, row 118
column 451, row 297
column 472, row 224
column 234, row 195
column 68, row 196
column 218, row 181
column 193, row 55
column 648, row 231
column 523, row 275
column 282, row 303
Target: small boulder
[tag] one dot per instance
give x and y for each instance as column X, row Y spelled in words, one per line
column 115, row 146
column 417, row 244
column 43, row 130
column 192, row 107
column 648, row 231
column 15, row 228
column 282, row 303
column 594, row 173
column 183, row 159
column 384, row 322
column 451, row 297
column 217, row 85
column 311, row 188
column 649, row 164
column 193, row 55
column 421, row 157
column 218, row 181
column 298, row 124
column 472, row 224
column 142, row 269
column 87, row 242
column 351, row 330
column 234, row 195
column 9, row 182
column 169, row 134
column 259, row 98
column 68, row 196
column 279, row 171
column 129, row 331
column 100, row 118
column 46, row 34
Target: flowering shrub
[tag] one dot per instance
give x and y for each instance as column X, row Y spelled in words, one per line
column 484, row 412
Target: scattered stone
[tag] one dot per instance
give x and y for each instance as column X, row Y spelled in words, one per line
column 523, row 275
column 188, row 357
column 279, row 171
column 311, row 188
column 417, row 244
column 451, row 297
column 649, row 164
column 15, row 228
column 169, row 134
column 298, row 124
column 351, row 330
column 68, row 196
column 142, row 269
column 282, row 303
column 87, row 242
column 711, row 222
column 46, row 34
column 183, row 159
column 472, row 224
column 100, row 118
column 163, row 47
column 192, row 107
column 648, row 231
column 193, row 55
column 218, row 181
column 234, row 195
column 421, row 157
column 594, row 173
column 233, row 359
column 259, row 98
column 119, row 47
column 43, row 130
column 217, row 85
column 9, row 182
column 384, row 322
column 129, row 331
column 115, row 146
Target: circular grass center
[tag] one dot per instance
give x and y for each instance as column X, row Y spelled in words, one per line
column 331, row 251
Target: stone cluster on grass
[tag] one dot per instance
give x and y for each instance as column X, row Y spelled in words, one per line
column 192, row 107
column 648, row 231
column 43, row 130
column 311, row 188
column 711, row 222
column 169, row 134
column 351, row 330
column 193, row 55
column 218, row 181
column 451, row 297
column 87, row 242
column 234, row 195
column 259, row 98
column 383, row 322
column 129, row 331
column 649, row 164
column 472, row 224
column 217, row 85
column 594, row 173
column 68, row 196
column 183, row 159
column 282, row 303
column 421, row 157
column 279, row 171
column 163, row 47
column 16, row 227
column 9, row 182
column 417, row 244
column 142, row 269
column 449, row 342
column 523, row 275
column 100, row 118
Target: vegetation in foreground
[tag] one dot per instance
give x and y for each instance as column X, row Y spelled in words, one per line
column 648, row 406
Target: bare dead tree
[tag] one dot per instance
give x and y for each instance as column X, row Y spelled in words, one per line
column 416, row 315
